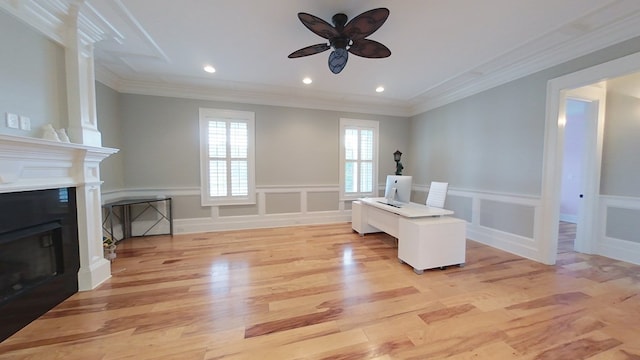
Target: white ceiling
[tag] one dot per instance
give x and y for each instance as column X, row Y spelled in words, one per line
column 441, row 50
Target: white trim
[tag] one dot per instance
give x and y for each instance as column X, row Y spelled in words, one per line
column 595, row 96
column 552, row 162
column 555, row 47
column 36, row 164
column 118, row 194
column 215, row 222
column 614, row 248
column 623, row 202
column 513, row 243
column 494, row 195
column 227, row 116
column 614, row 22
column 243, row 93
column 527, row 247
column 198, row 225
column 620, row 250
column 359, row 124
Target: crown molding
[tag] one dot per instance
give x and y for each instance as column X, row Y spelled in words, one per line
column 47, row 16
column 615, row 22
column 254, row 94
column 53, row 18
column 553, row 48
column 560, row 45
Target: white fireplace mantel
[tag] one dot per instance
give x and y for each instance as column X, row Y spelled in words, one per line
column 35, row 164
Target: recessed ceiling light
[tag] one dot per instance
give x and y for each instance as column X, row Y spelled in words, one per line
column 307, row 80
column 210, row 69
column 380, row 89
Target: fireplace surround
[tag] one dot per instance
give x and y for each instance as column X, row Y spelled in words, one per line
column 59, row 183
column 39, row 258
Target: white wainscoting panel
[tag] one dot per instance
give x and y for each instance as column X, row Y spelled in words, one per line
column 619, row 249
column 528, row 247
column 216, row 222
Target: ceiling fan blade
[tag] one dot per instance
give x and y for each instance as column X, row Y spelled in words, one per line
column 338, row 60
column 366, row 23
column 369, row 49
column 318, row 26
column 309, row 50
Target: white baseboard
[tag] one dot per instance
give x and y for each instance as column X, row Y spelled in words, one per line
column 615, row 248
column 511, row 243
column 199, row 225
column 620, row 250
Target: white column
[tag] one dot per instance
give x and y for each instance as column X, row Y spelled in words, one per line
column 83, row 129
column 94, row 268
column 79, row 61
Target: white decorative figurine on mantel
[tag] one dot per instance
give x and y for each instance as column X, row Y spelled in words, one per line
column 49, row 133
column 62, row 134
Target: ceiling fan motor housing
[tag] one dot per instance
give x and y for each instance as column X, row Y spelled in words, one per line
column 339, row 21
column 340, row 42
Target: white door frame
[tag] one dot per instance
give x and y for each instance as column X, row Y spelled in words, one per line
column 553, row 148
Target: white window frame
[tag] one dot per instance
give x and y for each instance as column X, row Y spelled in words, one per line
column 359, row 125
column 247, row 117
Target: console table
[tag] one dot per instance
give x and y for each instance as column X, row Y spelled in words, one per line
column 124, row 215
column 427, row 237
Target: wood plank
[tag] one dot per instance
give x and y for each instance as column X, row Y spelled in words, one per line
column 324, row 292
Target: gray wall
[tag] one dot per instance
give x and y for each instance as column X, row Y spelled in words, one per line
column 110, row 126
column 621, row 147
column 621, row 164
column 32, row 77
column 494, row 141
column 294, row 147
column 491, row 141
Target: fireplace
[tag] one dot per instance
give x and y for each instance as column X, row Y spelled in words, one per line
column 50, row 207
column 39, row 256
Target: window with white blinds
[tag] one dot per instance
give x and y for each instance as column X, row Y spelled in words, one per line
column 358, row 158
column 227, row 157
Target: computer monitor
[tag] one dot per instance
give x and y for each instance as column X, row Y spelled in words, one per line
column 398, row 189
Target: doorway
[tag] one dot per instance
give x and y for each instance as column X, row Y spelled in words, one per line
column 590, row 102
column 575, row 135
column 558, row 90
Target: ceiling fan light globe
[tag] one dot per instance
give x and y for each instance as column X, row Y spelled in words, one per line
column 338, row 60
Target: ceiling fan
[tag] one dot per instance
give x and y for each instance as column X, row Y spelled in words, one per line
column 345, row 37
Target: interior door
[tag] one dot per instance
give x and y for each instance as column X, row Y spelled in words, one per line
column 587, row 229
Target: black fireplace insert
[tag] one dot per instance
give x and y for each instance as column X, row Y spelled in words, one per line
column 39, row 257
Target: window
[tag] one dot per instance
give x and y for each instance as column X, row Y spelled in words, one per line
column 227, row 157
column 358, row 158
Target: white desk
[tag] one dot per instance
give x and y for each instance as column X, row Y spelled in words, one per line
column 427, row 238
column 410, row 210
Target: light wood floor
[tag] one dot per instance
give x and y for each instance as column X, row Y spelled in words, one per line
column 324, row 292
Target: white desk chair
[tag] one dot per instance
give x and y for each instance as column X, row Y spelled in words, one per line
column 437, row 194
